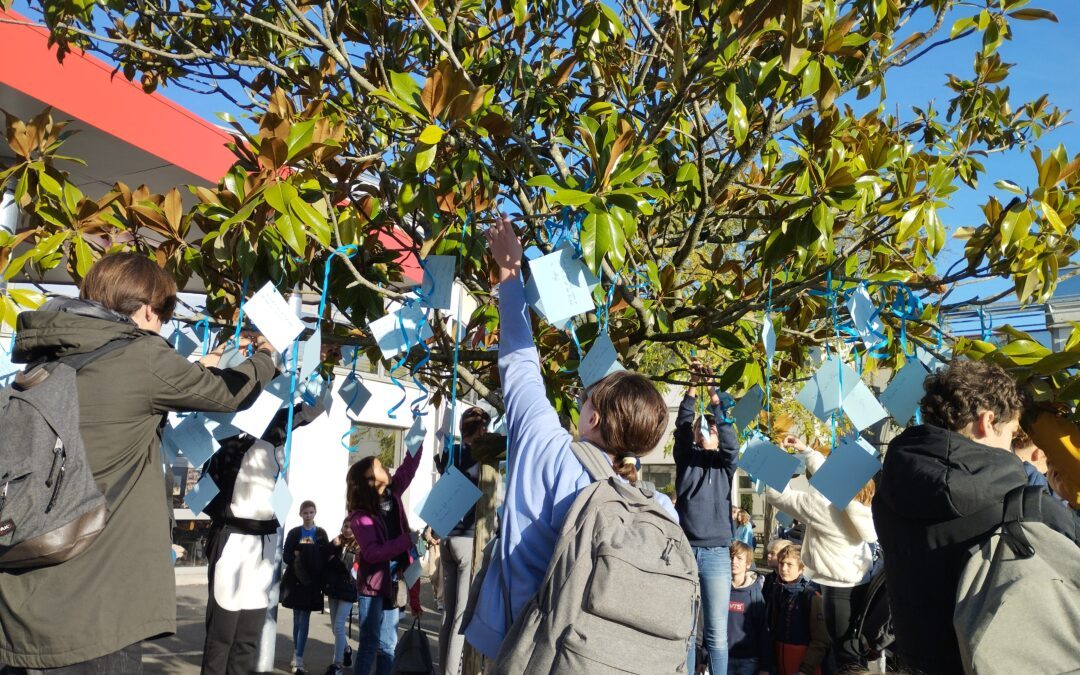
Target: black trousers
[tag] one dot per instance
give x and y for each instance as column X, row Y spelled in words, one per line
column 232, row 637
column 841, row 606
column 127, row 661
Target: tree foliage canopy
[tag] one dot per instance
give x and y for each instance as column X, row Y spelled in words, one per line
column 714, row 160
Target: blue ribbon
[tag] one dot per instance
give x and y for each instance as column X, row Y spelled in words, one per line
column 449, row 440
column 986, row 324
column 292, row 406
column 204, row 324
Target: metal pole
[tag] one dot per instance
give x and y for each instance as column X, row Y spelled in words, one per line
column 268, row 641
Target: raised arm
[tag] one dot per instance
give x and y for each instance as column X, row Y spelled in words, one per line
column 178, row 385
column 529, row 414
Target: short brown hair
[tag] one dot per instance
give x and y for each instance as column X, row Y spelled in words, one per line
column 474, row 420
column 955, row 395
column 739, row 548
column 633, row 415
column 1021, row 440
column 124, row 282
column 306, row 503
column 742, row 517
column 793, row 551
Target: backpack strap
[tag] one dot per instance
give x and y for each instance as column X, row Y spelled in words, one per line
column 592, row 458
column 80, row 361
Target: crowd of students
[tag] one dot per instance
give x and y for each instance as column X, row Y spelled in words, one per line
column 795, row 619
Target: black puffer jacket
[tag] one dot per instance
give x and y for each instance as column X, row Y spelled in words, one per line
column 932, row 475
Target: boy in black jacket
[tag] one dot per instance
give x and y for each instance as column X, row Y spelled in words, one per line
column 704, row 467
column 750, row 643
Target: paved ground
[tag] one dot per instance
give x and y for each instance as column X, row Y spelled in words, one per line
column 182, row 653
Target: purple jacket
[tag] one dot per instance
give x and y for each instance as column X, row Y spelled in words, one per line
column 374, row 552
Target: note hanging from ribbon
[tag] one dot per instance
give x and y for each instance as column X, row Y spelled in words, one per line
column 387, row 331
column 848, row 468
column 436, row 290
column 354, row 394
column 201, row 493
column 532, row 297
column 411, row 575
column 601, row 361
column 768, row 463
column 749, row 407
column 901, row 398
column 414, row 438
column 184, row 344
column 281, row 501
column 310, row 355
column 231, row 358
column 703, row 428
column 273, row 317
column 257, row 418
column 192, row 439
column 768, row 338
column 831, row 384
column 219, row 425
column 863, row 408
column 562, row 285
column 864, row 317
column 448, row 502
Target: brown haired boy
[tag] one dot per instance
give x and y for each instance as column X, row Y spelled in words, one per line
column 796, row 618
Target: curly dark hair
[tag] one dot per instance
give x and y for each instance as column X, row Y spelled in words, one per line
column 956, row 394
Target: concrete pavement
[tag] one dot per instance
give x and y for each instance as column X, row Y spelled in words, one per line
column 181, row 653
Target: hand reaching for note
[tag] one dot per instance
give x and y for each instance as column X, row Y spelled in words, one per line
column 505, row 248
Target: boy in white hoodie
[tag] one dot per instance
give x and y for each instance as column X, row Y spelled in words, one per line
column 836, row 551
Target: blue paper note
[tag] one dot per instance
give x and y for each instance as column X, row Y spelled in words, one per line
column 591, row 280
column 387, row 331
column 200, row 495
column 437, row 288
column 932, row 362
column 562, row 285
column 768, row 463
column 533, row 252
column 768, row 338
column 255, row 419
column 310, row 355
column 532, row 297
column 219, row 425
column 273, row 317
column 281, row 500
column 703, row 428
column 825, row 390
column 354, row 394
column 862, row 407
column 231, row 358
column 315, row 390
column 845, row 472
column 749, row 407
column 193, row 440
column 448, row 502
column 184, row 344
column 901, row 398
column 601, row 361
column 411, row 575
column 414, row 438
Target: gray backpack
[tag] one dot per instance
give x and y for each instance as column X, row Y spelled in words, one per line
column 620, row 594
column 50, row 506
column 1018, row 600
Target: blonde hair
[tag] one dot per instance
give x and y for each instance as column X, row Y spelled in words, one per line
column 866, row 494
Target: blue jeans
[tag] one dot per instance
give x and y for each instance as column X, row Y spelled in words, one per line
column 743, row 667
column 378, row 637
column 300, row 620
column 714, row 572
column 339, row 615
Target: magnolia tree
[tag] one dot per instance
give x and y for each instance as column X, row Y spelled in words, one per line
column 712, row 161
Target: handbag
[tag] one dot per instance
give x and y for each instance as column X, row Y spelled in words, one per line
column 398, row 595
column 413, row 653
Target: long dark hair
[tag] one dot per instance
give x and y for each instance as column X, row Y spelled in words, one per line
column 360, row 495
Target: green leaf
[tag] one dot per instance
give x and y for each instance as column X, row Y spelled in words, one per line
column 1053, row 218
column 521, row 10
column 569, row 197
column 292, row 232
column 811, row 79
column 602, row 236
column 279, row 195
column 1008, row 185
column 425, row 157
column 49, row 184
column 909, row 224
column 543, row 181
column 823, row 219
column 84, row 257
column 1033, row 14
column 27, row 298
column 300, row 136
column 736, row 120
column 1024, row 352
column 309, row 216
column 431, row 135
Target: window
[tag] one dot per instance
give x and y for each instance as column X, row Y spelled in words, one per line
column 660, row 475
column 384, row 442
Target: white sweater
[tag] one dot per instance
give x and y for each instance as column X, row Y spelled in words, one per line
column 835, row 548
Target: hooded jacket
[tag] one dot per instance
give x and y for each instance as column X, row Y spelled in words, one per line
column 932, row 475
column 836, row 544
column 703, row 477
column 748, row 623
column 121, row 590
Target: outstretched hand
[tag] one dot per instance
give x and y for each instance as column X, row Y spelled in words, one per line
column 505, row 248
column 793, row 441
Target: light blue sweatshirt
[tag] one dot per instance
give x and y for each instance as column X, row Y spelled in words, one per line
column 543, row 478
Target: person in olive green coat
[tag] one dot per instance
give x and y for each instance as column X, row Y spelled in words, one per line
column 93, row 611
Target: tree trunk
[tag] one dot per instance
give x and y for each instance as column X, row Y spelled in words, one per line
column 473, row 661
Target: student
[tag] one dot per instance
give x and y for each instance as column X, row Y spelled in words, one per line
column 1034, row 460
column 750, row 646
column 958, row 462
column 772, row 551
column 623, row 414
column 796, row 618
column 744, row 532
column 123, row 399
column 704, row 469
column 341, row 589
column 456, row 549
column 1059, row 440
column 304, row 555
column 837, row 551
column 381, row 528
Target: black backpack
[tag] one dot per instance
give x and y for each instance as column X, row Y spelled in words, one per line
column 50, row 506
column 873, row 627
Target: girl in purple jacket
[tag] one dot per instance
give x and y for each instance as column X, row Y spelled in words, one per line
column 381, row 527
